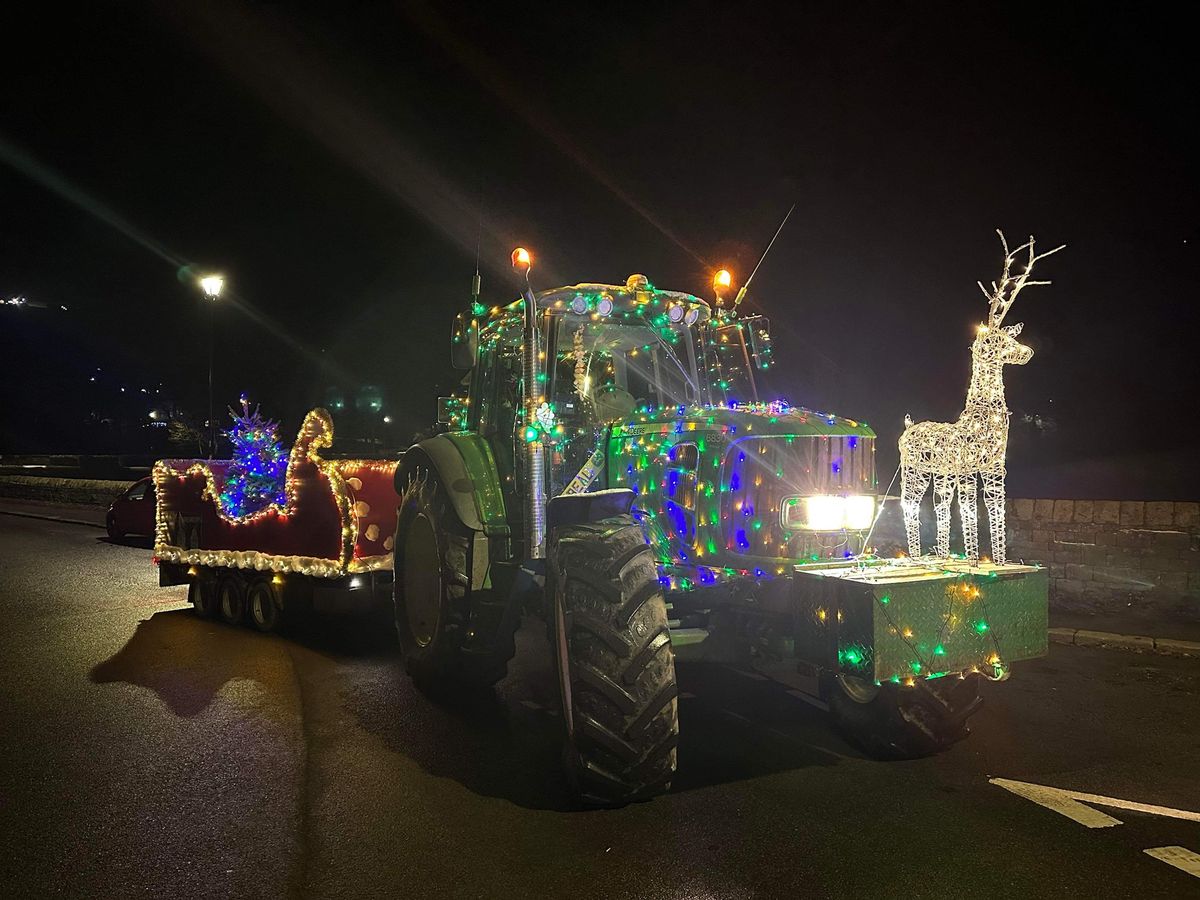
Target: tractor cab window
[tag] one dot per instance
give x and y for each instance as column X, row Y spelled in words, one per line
column 734, row 355
column 606, row 372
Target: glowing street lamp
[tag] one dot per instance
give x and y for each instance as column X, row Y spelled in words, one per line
column 211, row 285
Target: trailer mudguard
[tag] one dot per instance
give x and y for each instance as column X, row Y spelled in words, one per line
column 466, row 467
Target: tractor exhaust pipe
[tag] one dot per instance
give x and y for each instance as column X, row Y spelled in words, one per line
column 535, row 459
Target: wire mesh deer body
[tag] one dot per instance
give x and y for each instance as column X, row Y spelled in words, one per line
column 953, row 454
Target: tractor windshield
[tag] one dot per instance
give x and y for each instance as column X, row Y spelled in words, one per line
column 604, row 373
column 617, row 368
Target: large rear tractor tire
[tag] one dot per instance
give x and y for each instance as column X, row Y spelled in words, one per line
column 616, row 670
column 447, row 632
column 892, row 721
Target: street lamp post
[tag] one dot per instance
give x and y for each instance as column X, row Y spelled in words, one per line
column 211, row 285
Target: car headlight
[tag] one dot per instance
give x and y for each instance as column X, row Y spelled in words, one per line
column 828, row 513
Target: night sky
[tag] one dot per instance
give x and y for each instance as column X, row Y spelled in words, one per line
column 340, row 164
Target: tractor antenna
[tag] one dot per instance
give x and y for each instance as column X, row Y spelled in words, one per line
column 741, row 294
column 476, row 306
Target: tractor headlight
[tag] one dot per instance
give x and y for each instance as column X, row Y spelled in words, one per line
column 828, row 513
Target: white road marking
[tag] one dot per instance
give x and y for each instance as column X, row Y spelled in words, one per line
column 1070, row 804
column 1180, row 857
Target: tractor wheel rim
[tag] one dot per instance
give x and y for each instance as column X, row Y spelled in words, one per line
column 422, row 581
column 857, row 689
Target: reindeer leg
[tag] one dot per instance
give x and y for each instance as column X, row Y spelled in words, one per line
column 912, row 489
column 943, row 493
column 993, row 497
column 968, row 514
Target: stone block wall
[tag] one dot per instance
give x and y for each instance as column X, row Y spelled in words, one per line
column 1112, row 555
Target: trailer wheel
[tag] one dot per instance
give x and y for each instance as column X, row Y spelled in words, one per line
column 433, row 598
column 892, row 721
column 202, row 595
column 231, row 599
column 613, row 657
column 263, row 606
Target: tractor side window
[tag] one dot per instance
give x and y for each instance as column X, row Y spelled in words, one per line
column 494, row 393
column 728, row 364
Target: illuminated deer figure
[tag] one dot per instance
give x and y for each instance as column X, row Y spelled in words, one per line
column 953, row 453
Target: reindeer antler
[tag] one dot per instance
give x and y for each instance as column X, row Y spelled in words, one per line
column 1002, row 294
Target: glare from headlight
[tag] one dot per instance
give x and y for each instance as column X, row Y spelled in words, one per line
column 860, row 512
column 828, row 513
column 824, row 513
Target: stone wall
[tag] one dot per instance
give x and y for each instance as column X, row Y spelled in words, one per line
column 1112, row 555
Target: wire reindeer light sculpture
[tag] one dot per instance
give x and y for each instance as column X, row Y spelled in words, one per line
column 953, row 453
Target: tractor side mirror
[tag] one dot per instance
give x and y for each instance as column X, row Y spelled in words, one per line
column 464, row 341
column 759, row 328
column 445, row 410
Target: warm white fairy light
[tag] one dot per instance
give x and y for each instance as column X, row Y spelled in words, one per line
column 953, row 453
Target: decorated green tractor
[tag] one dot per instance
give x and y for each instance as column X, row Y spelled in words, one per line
column 612, row 466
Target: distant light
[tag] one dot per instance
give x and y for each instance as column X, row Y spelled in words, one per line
column 387, row 420
column 63, row 308
column 355, row 583
column 154, row 414
column 212, row 285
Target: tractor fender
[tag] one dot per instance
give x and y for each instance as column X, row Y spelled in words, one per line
column 467, row 469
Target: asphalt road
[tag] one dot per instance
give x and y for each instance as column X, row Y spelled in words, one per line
column 144, row 752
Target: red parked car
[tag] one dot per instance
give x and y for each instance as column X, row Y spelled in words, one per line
column 133, row 511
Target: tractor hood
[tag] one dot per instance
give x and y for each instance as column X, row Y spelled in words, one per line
column 776, row 418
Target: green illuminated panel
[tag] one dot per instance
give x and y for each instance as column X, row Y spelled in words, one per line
column 902, row 624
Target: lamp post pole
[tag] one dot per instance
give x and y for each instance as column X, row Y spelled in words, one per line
column 211, row 285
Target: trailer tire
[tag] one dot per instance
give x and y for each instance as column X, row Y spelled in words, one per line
column 613, row 659
column 231, row 599
column 263, row 606
column 891, row 721
column 202, row 595
column 433, row 598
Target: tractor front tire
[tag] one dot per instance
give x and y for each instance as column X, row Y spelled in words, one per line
column 433, row 598
column 892, row 721
column 613, row 658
